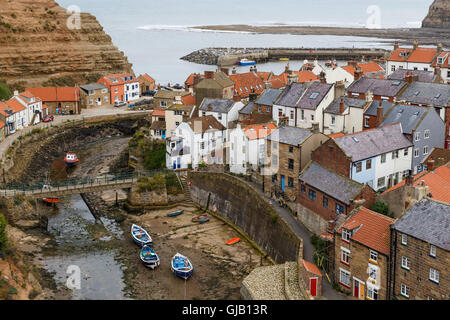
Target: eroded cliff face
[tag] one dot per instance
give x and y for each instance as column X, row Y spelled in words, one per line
column 438, row 15
column 36, row 44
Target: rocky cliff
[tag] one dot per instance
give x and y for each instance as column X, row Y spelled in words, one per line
column 438, row 15
column 37, row 44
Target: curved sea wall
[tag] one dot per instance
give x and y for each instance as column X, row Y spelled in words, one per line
column 239, row 203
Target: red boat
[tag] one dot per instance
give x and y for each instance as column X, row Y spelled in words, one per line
column 71, row 159
column 50, row 200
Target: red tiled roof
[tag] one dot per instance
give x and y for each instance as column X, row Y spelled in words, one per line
column 246, row 82
column 395, row 56
column 108, row 79
column 311, row 267
column 336, row 135
column 15, row 105
column 303, row 76
column 52, row 94
column 422, row 55
column 258, row 131
column 370, row 69
column 446, row 62
column 29, row 95
column 159, row 112
column 190, row 80
column 189, row 99
column 147, row 77
column 265, row 76
column 438, row 181
column 2, row 124
column 374, row 231
column 276, row 83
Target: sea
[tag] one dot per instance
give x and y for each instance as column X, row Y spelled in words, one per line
column 155, row 34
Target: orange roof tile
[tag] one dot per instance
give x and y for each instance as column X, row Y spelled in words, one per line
column 311, row 267
column 375, row 229
column 422, row 55
column 15, row 105
column 189, row 99
column 277, row 83
column 303, row 76
column 336, row 135
column 246, row 82
column 159, row 112
column 2, row 124
column 52, row 94
column 119, row 77
column 265, row 76
column 369, row 69
column 438, row 181
column 258, row 131
column 147, row 77
column 446, row 62
column 395, row 56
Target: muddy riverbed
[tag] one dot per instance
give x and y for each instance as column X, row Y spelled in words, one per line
column 101, row 248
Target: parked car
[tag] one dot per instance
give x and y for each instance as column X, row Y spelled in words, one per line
column 120, row 104
column 149, row 93
column 48, row 118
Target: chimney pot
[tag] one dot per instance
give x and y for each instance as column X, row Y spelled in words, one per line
column 341, row 106
column 430, row 164
column 380, row 114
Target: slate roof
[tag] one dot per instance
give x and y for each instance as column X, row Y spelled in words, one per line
column 268, row 97
column 92, row 86
column 374, row 231
column 428, row 221
column 314, row 95
column 440, row 156
column 382, row 87
column 372, row 109
column 289, row 135
column 248, row 108
column 158, row 125
column 423, row 76
column 205, row 123
column 291, row 95
column 435, row 94
column 216, row 105
column 408, row 116
column 339, row 187
column 373, row 142
column 333, row 108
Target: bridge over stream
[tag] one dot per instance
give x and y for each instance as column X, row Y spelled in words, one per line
column 76, row 185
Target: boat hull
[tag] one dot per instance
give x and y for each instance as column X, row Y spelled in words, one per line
column 183, row 271
column 183, row 274
column 145, row 241
column 174, row 214
column 247, row 63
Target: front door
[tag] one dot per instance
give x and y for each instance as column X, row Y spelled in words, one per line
column 178, row 162
column 282, row 183
column 356, row 288
column 174, row 164
column 313, row 286
column 361, row 291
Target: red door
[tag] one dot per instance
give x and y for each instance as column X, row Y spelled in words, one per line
column 313, row 286
column 356, row 290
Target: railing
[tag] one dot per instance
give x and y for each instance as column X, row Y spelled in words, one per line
column 77, row 183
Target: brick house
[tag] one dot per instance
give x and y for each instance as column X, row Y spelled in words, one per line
column 328, row 196
column 122, row 87
column 215, row 85
column 59, row 100
column 246, row 84
column 420, row 253
column 362, row 253
column 265, row 101
column 380, row 89
column 93, row 94
column 288, row 151
column 166, row 98
column 146, row 83
column 375, row 112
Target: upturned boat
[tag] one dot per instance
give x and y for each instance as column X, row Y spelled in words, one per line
column 71, row 159
column 140, row 235
column 201, row 218
column 176, row 213
column 149, row 257
column 181, row 266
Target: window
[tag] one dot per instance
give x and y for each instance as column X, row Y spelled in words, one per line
column 425, row 150
column 417, row 136
column 177, row 123
column 405, row 152
column 404, row 290
column 344, row 278
column 303, row 188
column 404, row 239
column 290, row 182
column 333, row 120
column 105, row 99
column 416, row 152
column 373, row 256
column 433, row 251
column 274, row 178
column 383, row 158
column 163, row 103
column 291, row 149
column 91, row 101
column 394, row 154
column 303, row 114
column 426, row 134
column 274, row 160
column 372, row 293
column 381, row 181
column 358, row 166
column 373, row 272
column 346, row 234
column 368, row 164
column 292, row 115
column 366, row 122
column 202, row 145
column 434, row 275
column 115, row 90
column 339, row 209
column 325, row 202
column 312, row 195
column 393, row 68
column 291, row 164
column 406, row 264
column 312, row 117
column 345, row 256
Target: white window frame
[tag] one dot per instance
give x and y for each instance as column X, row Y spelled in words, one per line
column 416, row 152
column 404, row 290
column 426, row 134
column 425, row 150
column 370, row 293
column 345, row 255
column 373, row 272
column 404, row 240
column 346, row 235
column 417, row 136
column 347, row 274
column 434, row 275
column 406, row 264
column 433, row 251
column 373, row 255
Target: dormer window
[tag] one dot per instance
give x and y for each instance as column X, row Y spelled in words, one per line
column 346, row 234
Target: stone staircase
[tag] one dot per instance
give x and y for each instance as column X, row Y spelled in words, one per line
column 186, row 190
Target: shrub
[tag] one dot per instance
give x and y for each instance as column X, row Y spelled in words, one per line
column 155, row 158
column 151, row 183
column 3, row 238
column 382, row 208
column 172, row 184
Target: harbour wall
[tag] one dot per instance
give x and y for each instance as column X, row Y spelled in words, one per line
column 246, row 208
column 229, row 56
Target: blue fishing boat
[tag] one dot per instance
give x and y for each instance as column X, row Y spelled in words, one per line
column 201, row 218
column 149, row 257
column 140, row 235
column 181, row 266
column 246, row 62
column 176, row 213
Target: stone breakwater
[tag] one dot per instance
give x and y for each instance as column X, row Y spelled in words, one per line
column 229, row 56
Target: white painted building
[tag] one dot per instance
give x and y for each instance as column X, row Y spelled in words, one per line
column 224, row 110
column 336, row 74
column 248, row 146
column 33, row 105
column 344, row 115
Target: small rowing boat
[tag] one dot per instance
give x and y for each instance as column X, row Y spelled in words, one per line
column 50, row 200
column 233, row 241
column 140, row 236
column 71, row 159
column 149, row 257
column 201, row 218
column 181, row 266
column 176, row 213
column 284, row 59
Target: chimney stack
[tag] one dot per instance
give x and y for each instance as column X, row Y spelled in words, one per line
column 415, row 44
column 380, row 114
column 430, row 164
column 315, row 127
column 286, row 69
column 353, row 64
column 409, row 180
column 16, row 93
column 439, row 48
column 322, row 77
column 196, row 79
column 437, row 70
column 396, row 45
column 341, row 106
column 358, row 73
